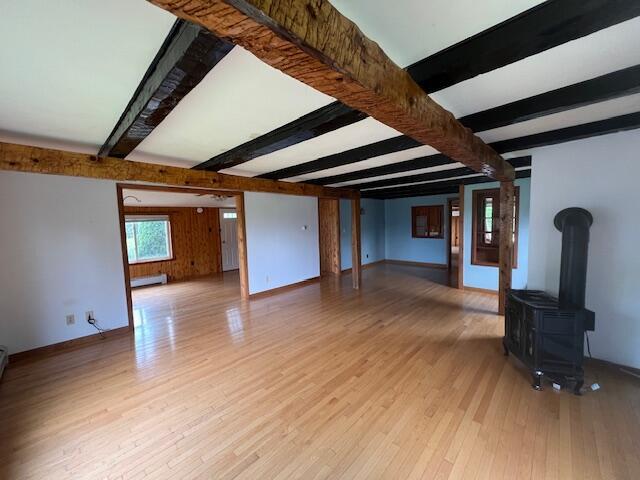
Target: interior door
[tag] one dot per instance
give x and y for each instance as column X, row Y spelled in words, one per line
column 229, row 239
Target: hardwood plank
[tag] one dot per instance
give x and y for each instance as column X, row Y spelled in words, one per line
column 321, row 381
column 307, row 40
column 23, row 158
column 323, row 120
column 188, row 53
column 507, row 203
column 540, row 28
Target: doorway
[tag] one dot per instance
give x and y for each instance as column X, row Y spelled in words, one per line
column 172, row 249
column 229, row 239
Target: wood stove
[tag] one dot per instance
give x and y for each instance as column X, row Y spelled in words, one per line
column 547, row 333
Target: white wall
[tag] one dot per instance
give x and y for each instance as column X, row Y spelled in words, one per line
column 279, row 250
column 599, row 174
column 60, row 254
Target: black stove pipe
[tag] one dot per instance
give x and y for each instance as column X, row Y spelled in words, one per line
column 574, row 224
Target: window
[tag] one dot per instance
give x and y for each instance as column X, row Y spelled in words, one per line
column 426, row 222
column 229, row 215
column 486, row 227
column 148, row 238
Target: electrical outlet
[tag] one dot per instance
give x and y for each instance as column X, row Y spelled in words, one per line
column 88, row 315
column 267, row 279
column 367, row 255
column 71, row 319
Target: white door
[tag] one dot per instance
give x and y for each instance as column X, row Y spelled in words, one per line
column 229, row 238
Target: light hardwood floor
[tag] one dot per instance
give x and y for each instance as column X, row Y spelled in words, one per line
column 403, row 379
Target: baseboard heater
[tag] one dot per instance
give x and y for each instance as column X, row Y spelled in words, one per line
column 149, row 280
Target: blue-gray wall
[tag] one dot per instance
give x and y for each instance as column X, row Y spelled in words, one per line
column 282, row 240
column 280, row 252
column 400, row 245
column 372, row 231
column 480, row 276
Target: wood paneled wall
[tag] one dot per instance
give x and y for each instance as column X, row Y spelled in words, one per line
column 329, row 221
column 195, row 239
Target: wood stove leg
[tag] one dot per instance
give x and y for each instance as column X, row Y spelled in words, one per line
column 537, row 380
column 578, row 386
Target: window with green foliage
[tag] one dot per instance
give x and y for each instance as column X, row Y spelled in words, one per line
column 148, row 238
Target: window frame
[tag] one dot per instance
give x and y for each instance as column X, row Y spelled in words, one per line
column 414, row 214
column 478, row 196
column 133, row 218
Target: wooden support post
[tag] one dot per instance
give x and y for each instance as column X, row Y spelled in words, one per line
column 356, row 256
column 507, row 202
column 242, row 247
column 329, row 235
column 461, row 238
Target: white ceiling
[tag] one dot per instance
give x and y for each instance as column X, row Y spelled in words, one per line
column 240, row 99
column 151, row 198
column 355, row 135
column 69, row 68
column 588, row 57
column 410, row 30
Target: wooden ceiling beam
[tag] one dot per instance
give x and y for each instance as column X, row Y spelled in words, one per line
column 188, row 53
column 323, row 120
column 22, row 158
column 518, row 162
column 353, row 155
column 428, row 161
column 620, row 123
column 540, row 28
column 433, row 188
column 312, row 42
column 606, row 87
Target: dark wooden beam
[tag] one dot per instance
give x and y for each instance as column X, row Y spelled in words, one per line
column 507, row 202
column 606, row 87
column 394, row 144
column 323, row 120
column 540, row 28
column 616, row 124
column 188, row 53
column 430, row 176
column 602, row 127
column 23, row 158
column 434, row 188
column 337, row 115
column 428, row 161
column 312, row 42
